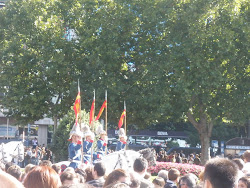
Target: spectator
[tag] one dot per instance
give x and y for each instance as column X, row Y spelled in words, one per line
column 244, row 182
column 240, row 164
column 117, row 175
column 15, row 171
column 28, row 168
column 69, row 178
column 45, row 163
column 163, row 174
column 117, row 185
column 33, row 159
column 34, row 143
column 140, row 166
column 178, row 158
column 158, row 182
column 246, row 157
column 7, row 165
column 188, row 181
column 42, row 177
column 8, row 181
column 89, row 174
column 98, row 172
column 56, row 167
column 81, row 175
column 220, row 173
column 197, row 160
column 173, row 178
column 134, row 179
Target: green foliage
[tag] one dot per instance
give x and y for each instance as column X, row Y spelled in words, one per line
column 168, row 59
column 59, row 145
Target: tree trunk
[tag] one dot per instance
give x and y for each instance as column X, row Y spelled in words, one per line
column 204, row 128
column 55, row 123
column 205, row 147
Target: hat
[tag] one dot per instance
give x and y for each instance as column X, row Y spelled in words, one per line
column 75, row 131
column 99, row 130
column 121, row 133
column 87, row 132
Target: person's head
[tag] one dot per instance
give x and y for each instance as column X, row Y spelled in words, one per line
column 134, row 179
column 99, row 170
column 81, row 175
column 174, row 175
column 117, row 175
column 6, row 180
column 75, row 138
column 42, row 176
column 15, row 171
column 246, row 156
column 158, row 182
column 103, row 135
column 239, row 162
column 69, row 178
column 7, row 165
column 57, row 168
column 220, row 173
column 163, row 174
column 140, row 166
column 89, row 175
column 147, row 176
column 46, row 163
column 188, row 181
column 28, row 168
column 244, row 182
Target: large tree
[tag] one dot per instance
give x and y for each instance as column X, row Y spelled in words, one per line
column 167, row 59
column 37, row 72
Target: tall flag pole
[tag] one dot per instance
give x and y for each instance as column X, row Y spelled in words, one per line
column 92, row 111
column 125, row 119
column 77, row 105
column 106, row 112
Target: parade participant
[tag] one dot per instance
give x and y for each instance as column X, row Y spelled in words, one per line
column 122, row 140
column 74, row 148
column 102, row 144
column 87, row 144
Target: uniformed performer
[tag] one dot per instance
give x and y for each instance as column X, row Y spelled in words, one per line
column 122, row 140
column 102, row 144
column 74, row 148
column 87, row 145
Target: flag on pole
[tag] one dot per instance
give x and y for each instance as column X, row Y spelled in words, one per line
column 121, row 118
column 91, row 114
column 104, row 105
column 77, row 104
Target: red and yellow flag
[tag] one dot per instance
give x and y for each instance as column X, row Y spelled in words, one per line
column 91, row 114
column 104, row 105
column 121, row 118
column 77, row 105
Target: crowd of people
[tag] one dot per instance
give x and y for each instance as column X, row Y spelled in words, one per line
column 39, row 172
column 33, row 155
column 218, row 173
column 175, row 157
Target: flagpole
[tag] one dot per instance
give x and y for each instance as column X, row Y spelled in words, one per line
column 93, row 113
column 80, row 118
column 106, row 120
column 125, row 118
column 106, row 112
column 125, row 122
